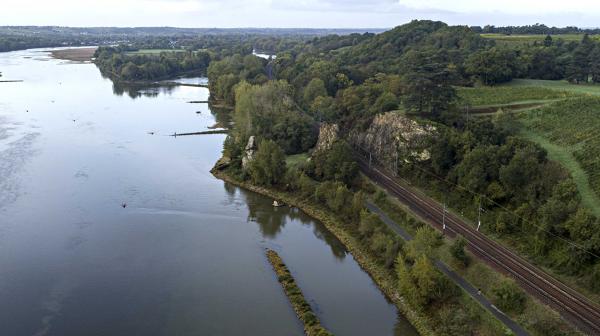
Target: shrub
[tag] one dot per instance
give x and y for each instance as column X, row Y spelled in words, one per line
column 509, row 297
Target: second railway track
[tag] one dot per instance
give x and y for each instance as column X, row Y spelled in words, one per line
column 571, row 304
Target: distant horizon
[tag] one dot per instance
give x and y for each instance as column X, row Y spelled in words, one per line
column 318, row 14
column 287, row 28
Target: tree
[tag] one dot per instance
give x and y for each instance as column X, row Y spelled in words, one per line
column 594, row 64
column 548, row 41
column 493, row 66
column 268, row 166
column 431, row 285
column 578, row 67
column 427, row 82
column 425, row 242
column 457, row 250
column 268, row 111
column 509, row 297
column 336, row 164
column 315, row 88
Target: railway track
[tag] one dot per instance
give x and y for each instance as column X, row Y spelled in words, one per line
column 570, row 304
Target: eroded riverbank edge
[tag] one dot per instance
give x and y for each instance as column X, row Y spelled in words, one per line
column 312, row 324
column 380, row 277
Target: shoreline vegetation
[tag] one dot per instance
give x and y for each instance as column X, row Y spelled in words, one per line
column 312, row 325
column 382, row 279
column 74, row 54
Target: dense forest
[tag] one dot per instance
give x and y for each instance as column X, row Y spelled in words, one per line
column 415, row 68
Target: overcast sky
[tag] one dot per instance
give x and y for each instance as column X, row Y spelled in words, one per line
column 296, row 13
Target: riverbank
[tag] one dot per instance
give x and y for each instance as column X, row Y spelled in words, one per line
column 75, row 54
column 384, row 281
column 312, row 325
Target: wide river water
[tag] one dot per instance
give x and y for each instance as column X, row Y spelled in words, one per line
column 186, row 254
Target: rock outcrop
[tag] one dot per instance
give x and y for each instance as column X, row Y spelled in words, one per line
column 249, row 151
column 328, row 134
column 393, row 139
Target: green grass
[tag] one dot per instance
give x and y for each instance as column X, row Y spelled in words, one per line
column 560, row 85
column 506, row 95
column 564, row 155
column 295, row 160
column 570, row 132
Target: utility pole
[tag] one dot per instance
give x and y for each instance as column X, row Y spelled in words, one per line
column 396, row 165
column 479, row 216
column 444, row 219
column 369, row 159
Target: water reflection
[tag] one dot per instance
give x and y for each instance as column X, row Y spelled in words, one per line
column 272, row 220
column 135, row 91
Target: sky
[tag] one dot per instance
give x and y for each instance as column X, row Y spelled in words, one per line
column 297, row 13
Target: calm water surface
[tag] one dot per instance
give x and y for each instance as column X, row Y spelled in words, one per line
column 184, row 257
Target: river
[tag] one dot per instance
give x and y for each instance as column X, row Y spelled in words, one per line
column 109, row 226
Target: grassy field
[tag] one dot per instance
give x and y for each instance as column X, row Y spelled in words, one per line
column 582, row 89
column 570, row 131
column 295, row 160
column 502, row 39
column 513, row 94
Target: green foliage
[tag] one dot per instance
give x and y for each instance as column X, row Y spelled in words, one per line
column 336, row 196
column 114, row 62
column 425, row 243
column 493, row 66
column 268, row 166
column 509, row 297
column 268, row 111
column 223, row 75
column 315, row 88
column 422, row 283
column 336, row 163
column 573, row 123
column 427, row 82
column 457, row 250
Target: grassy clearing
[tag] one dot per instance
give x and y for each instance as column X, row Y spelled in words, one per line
column 571, row 127
column 560, row 85
column 565, row 156
column 536, row 318
column 507, row 95
column 295, row 160
column 312, row 325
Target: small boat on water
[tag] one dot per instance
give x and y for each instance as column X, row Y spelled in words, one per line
column 277, row 204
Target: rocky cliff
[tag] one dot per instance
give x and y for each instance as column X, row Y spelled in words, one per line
column 328, row 134
column 394, row 139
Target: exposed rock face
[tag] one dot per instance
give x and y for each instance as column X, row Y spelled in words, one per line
column 249, row 151
column 395, row 139
column 328, row 134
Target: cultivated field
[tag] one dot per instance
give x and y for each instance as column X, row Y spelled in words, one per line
column 570, row 131
column 561, row 117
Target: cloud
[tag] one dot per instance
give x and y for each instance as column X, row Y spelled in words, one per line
column 295, row 13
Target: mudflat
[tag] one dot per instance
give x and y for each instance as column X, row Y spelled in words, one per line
column 75, row 54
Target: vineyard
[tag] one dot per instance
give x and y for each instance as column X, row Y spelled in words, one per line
column 574, row 126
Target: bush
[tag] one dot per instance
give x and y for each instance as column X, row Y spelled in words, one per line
column 457, row 249
column 509, row 297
